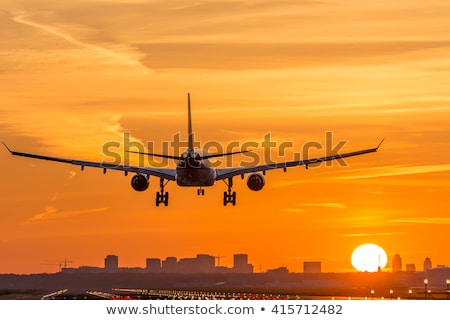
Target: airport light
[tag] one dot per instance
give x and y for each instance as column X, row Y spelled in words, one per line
column 372, row 293
column 448, row 288
column 391, row 292
column 425, row 283
column 409, row 293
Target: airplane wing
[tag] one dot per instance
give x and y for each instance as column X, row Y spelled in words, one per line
column 168, row 174
column 231, row 172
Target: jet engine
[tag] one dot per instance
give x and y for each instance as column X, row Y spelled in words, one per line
column 140, row 182
column 255, row 181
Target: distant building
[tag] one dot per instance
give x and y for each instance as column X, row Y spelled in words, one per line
column 69, row 270
column 131, row 270
column 241, row 264
column 440, row 274
column 396, row 263
column 205, row 263
column 222, row 270
column 169, row 265
column 88, row 269
column 281, row 271
column 153, row 265
column 410, row 267
column 112, row 263
column 312, row 267
column 187, row 265
column 427, row 265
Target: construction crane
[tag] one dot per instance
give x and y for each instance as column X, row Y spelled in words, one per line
column 218, row 259
column 60, row 263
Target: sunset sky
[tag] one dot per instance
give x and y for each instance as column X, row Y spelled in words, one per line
column 77, row 74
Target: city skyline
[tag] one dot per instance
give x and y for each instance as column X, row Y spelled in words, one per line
column 239, row 265
column 77, row 75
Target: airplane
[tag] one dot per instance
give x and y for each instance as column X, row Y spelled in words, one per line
column 193, row 169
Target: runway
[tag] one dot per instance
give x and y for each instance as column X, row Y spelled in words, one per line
column 148, row 294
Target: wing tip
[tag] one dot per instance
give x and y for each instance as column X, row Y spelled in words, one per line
column 382, row 140
column 7, row 147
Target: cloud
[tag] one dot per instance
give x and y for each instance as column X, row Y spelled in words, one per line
column 117, row 57
column 325, row 204
column 72, row 174
column 52, row 213
column 241, row 56
column 371, row 234
column 301, row 207
column 395, row 171
column 435, row 220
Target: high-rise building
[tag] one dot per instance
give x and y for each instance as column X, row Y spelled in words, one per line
column 240, row 260
column 410, row 267
column 170, row 264
column 312, row 267
column 111, row 263
column 396, row 263
column 205, row 263
column 427, row 265
column 153, row 265
column 241, row 264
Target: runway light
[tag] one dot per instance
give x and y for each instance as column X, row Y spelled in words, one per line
column 425, row 282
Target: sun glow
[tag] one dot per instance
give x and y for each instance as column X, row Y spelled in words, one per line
column 368, row 258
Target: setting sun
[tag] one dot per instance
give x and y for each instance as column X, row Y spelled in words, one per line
column 368, row 257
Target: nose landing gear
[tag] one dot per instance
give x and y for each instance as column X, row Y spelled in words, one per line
column 229, row 196
column 162, row 197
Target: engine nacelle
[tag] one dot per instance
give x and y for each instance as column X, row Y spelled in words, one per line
column 140, row 182
column 255, row 181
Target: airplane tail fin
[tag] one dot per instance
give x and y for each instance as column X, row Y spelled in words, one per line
column 190, row 144
column 191, row 138
column 190, row 133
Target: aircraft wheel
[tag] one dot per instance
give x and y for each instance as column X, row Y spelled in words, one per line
column 157, row 202
column 225, row 194
column 166, row 199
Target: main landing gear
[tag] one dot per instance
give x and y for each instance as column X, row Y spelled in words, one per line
column 201, row 191
column 230, row 196
column 162, row 197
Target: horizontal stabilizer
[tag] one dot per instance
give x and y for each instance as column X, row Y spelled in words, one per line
column 199, row 157
column 221, row 154
column 158, row 155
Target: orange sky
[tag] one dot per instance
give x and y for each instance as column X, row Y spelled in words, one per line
column 77, row 74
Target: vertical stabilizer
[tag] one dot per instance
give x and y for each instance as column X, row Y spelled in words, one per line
column 190, row 133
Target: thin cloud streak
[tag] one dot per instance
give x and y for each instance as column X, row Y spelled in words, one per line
column 52, row 213
column 306, row 206
column 274, row 56
column 371, row 234
column 397, row 171
column 116, row 57
column 438, row 220
column 325, row 205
